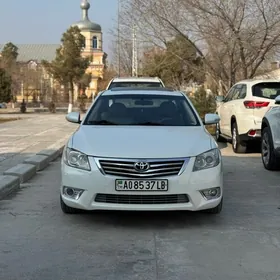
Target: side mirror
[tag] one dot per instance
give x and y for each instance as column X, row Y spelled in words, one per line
column 220, row 98
column 73, row 117
column 277, row 100
column 210, row 119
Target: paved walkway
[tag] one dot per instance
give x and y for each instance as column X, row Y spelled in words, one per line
column 35, row 132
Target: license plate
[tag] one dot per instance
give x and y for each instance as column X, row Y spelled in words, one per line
column 141, row 185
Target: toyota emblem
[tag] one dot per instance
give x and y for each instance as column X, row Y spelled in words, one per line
column 141, row 166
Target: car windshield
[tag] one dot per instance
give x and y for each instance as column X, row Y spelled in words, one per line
column 266, row 90
column 137, row 109
column 134, row 84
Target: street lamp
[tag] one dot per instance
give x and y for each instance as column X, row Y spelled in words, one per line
column 134, row 47
column 119, row 48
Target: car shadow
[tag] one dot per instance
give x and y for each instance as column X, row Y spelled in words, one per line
column 222, row 145
column 253, row 148
column 250, row 192
column 148, row 219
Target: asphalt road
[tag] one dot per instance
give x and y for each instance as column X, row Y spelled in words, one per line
column 38, row 242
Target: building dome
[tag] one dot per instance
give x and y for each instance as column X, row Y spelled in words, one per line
column 85, row 5
column 85, row 24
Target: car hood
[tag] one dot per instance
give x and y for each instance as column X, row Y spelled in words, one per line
column 142, row 142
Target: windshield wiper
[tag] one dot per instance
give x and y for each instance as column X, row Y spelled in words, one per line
column 149, row 123
column 101, row 122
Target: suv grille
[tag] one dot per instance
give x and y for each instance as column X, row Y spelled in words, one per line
column 142, row 199
column 126, row 168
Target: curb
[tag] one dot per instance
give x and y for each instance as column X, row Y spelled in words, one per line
column 12, row 178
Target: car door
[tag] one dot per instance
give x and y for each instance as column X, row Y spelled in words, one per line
column 224, row 113
column 236, row 106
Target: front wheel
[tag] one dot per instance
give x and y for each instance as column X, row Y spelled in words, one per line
column 66, row 209
column 216, row 210
column 237, row 146
column 269, row 158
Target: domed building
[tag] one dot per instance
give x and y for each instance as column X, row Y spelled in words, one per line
column 92, row 33
column 31, row 55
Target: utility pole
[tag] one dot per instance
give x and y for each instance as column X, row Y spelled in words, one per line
column 119, row 41
column 134, row 53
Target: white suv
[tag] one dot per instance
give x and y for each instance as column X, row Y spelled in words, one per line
column 135, row 82
column 271, row 137
column 242, row 110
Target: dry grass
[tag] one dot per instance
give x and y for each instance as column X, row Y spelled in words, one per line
column 211, row 129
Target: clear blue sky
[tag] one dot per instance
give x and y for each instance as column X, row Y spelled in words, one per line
column 44, row 21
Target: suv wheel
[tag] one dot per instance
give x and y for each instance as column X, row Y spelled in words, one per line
column 237, row 146
column 269, row 158
column 217, row 136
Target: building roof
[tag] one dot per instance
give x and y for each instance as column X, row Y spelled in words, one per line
column 274, row 74
column 85, row 24
column 37, row 52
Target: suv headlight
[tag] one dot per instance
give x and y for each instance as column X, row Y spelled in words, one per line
column 76, row 159
column 207, row 160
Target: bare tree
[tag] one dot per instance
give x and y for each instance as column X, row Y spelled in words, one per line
column 122, row 60
column 234, row 38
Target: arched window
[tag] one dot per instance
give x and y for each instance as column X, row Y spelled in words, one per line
column 84, row 42
column 94, row 42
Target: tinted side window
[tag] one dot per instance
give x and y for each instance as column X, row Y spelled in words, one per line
column 243, row 92
column 236, row 92
column 240, row 92
column 229, row 95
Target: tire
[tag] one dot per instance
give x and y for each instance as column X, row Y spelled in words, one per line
column 66, row 209
column 218, row 136
column 216, row 210
column 269, row 158
column 237, row 146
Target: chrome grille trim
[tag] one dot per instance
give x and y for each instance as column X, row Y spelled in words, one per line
column 141, row 199
column 125, row 167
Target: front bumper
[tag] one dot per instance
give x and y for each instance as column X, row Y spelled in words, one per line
column 188, row 183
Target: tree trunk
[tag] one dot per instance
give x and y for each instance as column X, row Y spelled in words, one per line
column 71, row 97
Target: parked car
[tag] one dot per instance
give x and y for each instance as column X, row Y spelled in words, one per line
column 142, row 150
column 241, row 112
column 133, row 82
column 270, row 144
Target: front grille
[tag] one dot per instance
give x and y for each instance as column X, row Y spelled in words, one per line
column 141, row 199
column 125, row 168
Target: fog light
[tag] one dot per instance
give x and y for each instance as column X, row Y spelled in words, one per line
column 212, row 193
column 72, row 192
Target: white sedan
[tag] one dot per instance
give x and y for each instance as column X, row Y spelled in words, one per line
column 145, row 150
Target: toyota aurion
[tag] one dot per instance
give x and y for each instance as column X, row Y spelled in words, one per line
column 141, row 150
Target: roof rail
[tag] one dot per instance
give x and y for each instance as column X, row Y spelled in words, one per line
column 142, row 89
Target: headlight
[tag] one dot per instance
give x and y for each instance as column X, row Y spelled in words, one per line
column 207, row 160
column 76, row 159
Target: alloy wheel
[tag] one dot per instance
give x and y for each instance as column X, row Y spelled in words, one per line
column 234, row 138
column 265, row 148
column 217, row 132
